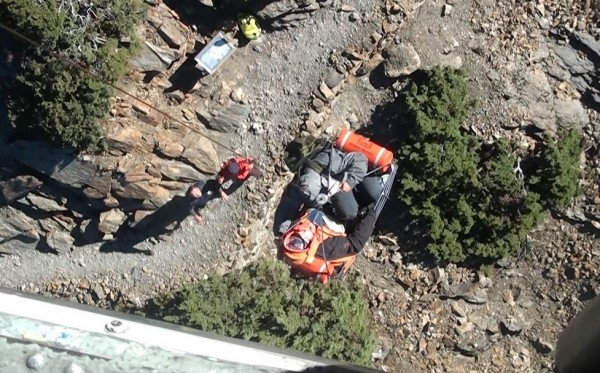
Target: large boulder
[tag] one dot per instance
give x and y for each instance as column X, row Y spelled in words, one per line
column 58, row 164
column 536, row 105
column 535, row 100
column 201, row 152
column 168, row 146
column 60, row 241
column 400, row 60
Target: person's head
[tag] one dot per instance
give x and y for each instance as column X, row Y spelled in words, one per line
column 234, row 167
column 195, row 192
column 297, row 243
column 300, row 240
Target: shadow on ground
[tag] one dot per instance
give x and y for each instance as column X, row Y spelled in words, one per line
column 158, row 224
column 163, row 221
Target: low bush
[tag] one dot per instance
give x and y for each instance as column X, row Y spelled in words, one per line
column 466, row 195
column 557, row 173
column 263, row 304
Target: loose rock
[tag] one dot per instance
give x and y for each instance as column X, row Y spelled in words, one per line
column 401, row 60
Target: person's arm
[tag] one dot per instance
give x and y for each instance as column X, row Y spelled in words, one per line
column 197, row 204
column 223, row 172
column 351, row 244
column 355, row 165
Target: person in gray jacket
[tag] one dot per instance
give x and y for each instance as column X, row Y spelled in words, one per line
column 336, row 174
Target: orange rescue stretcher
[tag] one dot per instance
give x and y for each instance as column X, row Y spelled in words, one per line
column 314, row 223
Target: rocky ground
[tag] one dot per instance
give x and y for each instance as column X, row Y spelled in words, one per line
column 534, row 68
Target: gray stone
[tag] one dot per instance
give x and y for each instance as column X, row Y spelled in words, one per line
column 542, row 346
column 446, row 10
column 59, row 164
column 334, row 79
column 511, row 326
column 176, row 170
column 401, row 60
column 168, row 146
column 571, row 60
column 230, row 118
column 111, row 221
column 535, row 102
column 98, row 292
column 153, row 58
column 383, row 346
column 472, row 343
column 589, row 41
column 476, row 295
column 44, row 203
column 396, row 258
column 452, row 61
column 581, row 83
column 203, row 116
column 559, row 73
column 18, row 187
column 15, row 224
column 570, row 113
column 35, row 361
column 59, row 241
column 541, row 53
column 458, row 310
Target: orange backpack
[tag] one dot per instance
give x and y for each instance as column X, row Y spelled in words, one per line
column 306, row 260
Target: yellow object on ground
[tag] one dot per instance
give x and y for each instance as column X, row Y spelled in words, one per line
column 249, row 26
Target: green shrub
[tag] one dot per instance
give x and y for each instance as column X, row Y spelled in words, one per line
column 557, row 174
column 468, row 198
column 263, row 304
column 52, row 99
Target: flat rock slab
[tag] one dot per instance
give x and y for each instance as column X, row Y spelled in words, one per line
column 15, row 224
column 176, row 171
column 153, row 58
column 230, row 118
column 172, row 33
column 58, row 164
column 44, row 203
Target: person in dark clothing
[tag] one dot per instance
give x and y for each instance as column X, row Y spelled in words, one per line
column 337, row 247
column 200, row 193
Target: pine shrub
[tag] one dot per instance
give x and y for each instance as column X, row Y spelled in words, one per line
column 52, row 99
column 263, row 304
column 468, row 199
column 556, row 177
